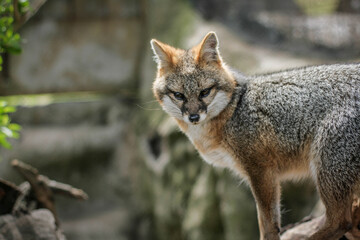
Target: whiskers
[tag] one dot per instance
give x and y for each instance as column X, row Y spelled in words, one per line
column 149, row 106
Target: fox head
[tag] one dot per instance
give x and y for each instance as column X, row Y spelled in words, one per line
column 192, row 85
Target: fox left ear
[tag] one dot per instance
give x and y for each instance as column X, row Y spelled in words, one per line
column 207, row 51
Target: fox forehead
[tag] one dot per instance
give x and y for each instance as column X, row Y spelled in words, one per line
column 185, row 63
column 190, row 82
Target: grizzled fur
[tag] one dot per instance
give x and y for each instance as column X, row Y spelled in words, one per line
column 268, row 128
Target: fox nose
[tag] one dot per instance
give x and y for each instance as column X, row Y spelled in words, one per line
column 194, row 117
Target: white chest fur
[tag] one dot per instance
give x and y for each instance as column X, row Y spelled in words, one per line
column 213, row 154
column 218, row 157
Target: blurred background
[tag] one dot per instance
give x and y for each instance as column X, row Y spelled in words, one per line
column 82, row 89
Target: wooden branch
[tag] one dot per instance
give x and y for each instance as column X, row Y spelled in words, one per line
column 32, row 175
column 27, row 171
column 66, row 190
column 44, row 188
column 17, row 16
column 293, row 225
column 19, row 216
column 42, row 191
column 305, row 228
column 20, row 204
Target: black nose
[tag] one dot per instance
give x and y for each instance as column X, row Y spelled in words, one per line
column 194, row 117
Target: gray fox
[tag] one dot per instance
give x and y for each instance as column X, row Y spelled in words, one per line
column 269, row 128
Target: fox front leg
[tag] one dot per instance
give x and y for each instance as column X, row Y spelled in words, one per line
column 266, row 190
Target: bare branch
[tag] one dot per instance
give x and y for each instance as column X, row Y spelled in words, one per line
column 67, row 190
column 20, row 203
column 17, row 16
column 42, row 191
column 45, row 188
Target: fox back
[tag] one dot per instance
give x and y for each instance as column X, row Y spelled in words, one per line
column 270, row 127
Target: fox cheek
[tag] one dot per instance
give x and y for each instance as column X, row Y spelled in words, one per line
column 171, row 108
column 220, row 101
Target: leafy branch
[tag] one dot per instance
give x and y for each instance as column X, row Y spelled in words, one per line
column 11, row 13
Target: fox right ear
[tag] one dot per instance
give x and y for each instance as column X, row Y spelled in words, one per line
column 165, row 55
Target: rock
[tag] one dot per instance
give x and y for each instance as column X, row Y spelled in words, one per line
column 38, row 225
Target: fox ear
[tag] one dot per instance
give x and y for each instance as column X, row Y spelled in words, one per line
column 164, row 54
column 207, row 50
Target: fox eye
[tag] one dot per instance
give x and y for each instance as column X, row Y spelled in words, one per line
column 205, row 92
column 179, row 96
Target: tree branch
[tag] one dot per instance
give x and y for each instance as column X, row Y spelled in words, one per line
column 44, row 188
column 20, row 20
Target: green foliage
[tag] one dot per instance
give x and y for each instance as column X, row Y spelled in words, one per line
column 9, row 39
column 9, row 42
column 7, row 129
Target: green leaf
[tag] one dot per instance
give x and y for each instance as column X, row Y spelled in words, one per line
column 4, row 120
column 14, row 127
column 13, row 44
column 11, row 8
column 4, row 142
column 9, row 109
column 15, row 135
column 9, row 33
column 24, row 6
